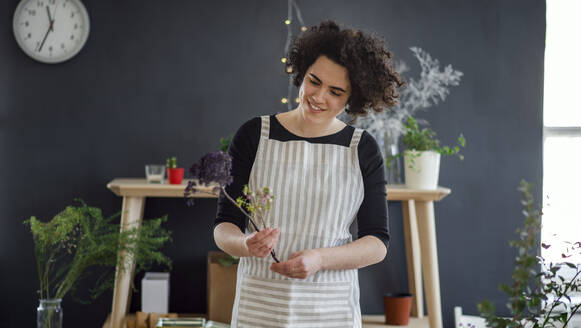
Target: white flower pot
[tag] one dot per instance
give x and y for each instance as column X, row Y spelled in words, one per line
column 421, row 169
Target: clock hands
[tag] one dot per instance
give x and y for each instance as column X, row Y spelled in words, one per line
column 50, row 19
column 50, row 28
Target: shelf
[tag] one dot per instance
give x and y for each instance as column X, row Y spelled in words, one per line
column 138, row 187
column 376, row 321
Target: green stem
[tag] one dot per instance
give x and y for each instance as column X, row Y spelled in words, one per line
column 550, row 311
column 564, row 293
column 559, row 298
column 528, row 241
column 572, row 314
column 47, row 277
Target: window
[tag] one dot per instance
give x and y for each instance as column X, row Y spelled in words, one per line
column 562, row 129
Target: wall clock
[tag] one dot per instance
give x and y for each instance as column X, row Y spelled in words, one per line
column 51, row 31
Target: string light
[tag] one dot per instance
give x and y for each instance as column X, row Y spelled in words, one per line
column 291, row 5
column 297, row 100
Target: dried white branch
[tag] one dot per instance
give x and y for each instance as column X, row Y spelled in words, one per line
column 432, row 87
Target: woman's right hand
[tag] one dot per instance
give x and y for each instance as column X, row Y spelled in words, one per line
column 260, row 243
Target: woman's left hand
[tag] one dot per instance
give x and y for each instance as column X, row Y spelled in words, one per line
column 299, row 265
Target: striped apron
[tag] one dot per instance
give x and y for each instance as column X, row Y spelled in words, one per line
column 318, row 189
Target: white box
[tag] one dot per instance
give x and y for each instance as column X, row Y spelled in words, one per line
column 155, row 292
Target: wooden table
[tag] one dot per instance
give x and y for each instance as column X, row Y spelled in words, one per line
column 134, row 191
column 378, row 321
column 419, row 229
column 421, row 250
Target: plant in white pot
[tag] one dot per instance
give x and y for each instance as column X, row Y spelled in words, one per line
column 422, row 157
column 431, row 87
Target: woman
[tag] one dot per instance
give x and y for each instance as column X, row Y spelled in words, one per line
column 323, row 174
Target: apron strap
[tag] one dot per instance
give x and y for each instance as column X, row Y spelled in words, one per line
column 356, row 137
column 265, row 130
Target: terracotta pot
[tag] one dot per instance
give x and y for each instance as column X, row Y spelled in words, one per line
column 175, row 176
column 397, row 309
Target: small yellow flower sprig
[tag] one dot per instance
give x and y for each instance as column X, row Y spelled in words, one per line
column 257, row 204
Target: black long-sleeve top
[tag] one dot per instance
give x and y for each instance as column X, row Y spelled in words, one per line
column 372, row 217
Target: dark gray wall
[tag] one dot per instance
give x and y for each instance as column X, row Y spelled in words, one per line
column 161, row 78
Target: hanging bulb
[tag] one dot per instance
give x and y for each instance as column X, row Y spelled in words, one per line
column 283, row 59
column 297, row 100
column 303, row 28
column 287, row 22
column 284, row 100
column 289, row 69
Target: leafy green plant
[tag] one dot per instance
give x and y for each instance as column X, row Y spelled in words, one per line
column 79, row 239
column 172, row 162
column 228, row 260
column 225, row 143
column 537, row 289
column 425, row 140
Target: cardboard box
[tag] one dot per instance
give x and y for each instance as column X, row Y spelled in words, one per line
column 155, row 292
column 221, row 283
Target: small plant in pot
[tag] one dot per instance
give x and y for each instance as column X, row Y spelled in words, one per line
column 175, row 174
column 422, row 157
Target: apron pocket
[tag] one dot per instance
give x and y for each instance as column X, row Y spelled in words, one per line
column 294, row 303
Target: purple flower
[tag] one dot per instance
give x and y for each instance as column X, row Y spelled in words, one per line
column 215, row 168
column 212, row 168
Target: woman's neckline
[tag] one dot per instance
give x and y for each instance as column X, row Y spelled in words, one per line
column 297, row 136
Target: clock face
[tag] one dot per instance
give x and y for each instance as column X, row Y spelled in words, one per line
column 51, row 31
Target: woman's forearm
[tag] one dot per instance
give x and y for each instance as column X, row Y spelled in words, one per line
column 230, row 239
column 360, row 253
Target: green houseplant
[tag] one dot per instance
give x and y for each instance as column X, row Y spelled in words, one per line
column 225, row 143
column 422, row 156
column 78, row 243
column 539, row 292
column 175, row 174
column 427, row 89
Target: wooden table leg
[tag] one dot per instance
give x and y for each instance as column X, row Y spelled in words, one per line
column 131, row 217
column 413, row 257
column 427, row 232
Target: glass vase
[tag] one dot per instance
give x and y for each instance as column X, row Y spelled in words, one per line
column 393, row 163
column 49, row 314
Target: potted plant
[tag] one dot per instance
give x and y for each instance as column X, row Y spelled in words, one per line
column 175, row 174
column 225, row 143
column 79, row 239
column 428, row 89
column 539, row 295
column 397, row 308
column 422, row 157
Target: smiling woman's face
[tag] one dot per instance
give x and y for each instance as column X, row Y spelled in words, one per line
column 325, row 91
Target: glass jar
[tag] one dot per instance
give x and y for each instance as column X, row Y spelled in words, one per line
column 393, row 163
column 49, row 314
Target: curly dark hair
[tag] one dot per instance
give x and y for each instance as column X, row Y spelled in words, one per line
column 373, row 81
